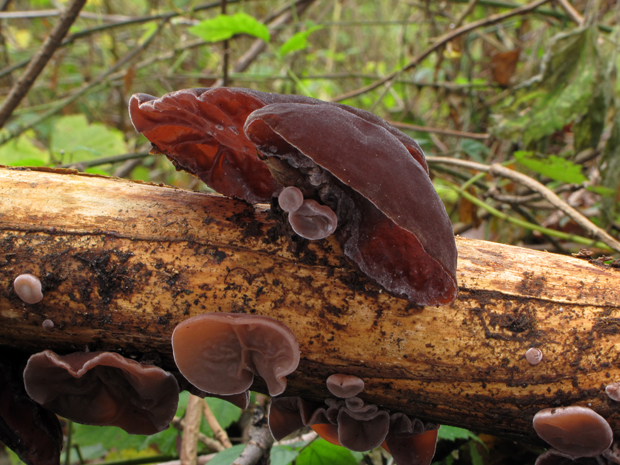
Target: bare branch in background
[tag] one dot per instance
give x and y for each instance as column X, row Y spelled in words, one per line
column 24, row 83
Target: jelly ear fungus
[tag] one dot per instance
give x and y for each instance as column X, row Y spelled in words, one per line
column 392, row 224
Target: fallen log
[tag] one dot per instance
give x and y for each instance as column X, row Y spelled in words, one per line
column 122, row 263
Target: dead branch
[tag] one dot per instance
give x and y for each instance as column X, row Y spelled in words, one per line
column 123, row 262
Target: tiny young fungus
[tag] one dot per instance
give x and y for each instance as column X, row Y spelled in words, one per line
column 613, row 391
column 313, row 220
column 48, row 324
column 555, row 457
column 104, row 389
column 221, row 352
column 28, row 288
column 533, row 356
column 576, row 431
column 344, row 386
column 290, row 199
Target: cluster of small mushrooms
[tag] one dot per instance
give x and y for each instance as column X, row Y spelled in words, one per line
column 335, row 170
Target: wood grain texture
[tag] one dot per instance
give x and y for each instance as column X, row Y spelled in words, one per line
column 123, row 262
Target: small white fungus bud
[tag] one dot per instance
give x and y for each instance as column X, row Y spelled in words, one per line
column 533, row 356
column 48, row 324
column 28, row 288
column 613, row 391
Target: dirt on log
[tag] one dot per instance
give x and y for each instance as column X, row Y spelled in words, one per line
column 123, row 262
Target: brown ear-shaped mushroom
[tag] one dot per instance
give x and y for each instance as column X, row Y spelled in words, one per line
column 409, row 442
column 104, row 389
column 200, row 131
column 32, row 432
column 393, row 225
column 313, row 220
column 288, row 414
column 361, row 431
column 344, row 386
column 576, row 431
column 221, row 352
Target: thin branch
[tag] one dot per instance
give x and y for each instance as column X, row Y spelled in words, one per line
column 21, row 87
column 259, row 443
column 443, row 132
column 470, row 7
column 218, row 432
column 31, row 14
column 85, row 88
column 571, row 12
column 80, row 166
column 189, row 444
column 211, row 443
column 440, row 42
column 498, row 170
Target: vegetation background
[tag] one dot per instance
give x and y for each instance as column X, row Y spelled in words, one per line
column 530, row 86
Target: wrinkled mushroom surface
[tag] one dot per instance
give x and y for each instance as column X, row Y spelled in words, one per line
column 221, row 352
column 393, row 225
column 313, row 220
column 575, row 430
column 200, row 131
column 104, row 389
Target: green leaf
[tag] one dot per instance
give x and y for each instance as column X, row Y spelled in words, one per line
column 554, row 167
column 225, row 412
column 601, row 190
column 223, row 27
column 476, row 458
column 452, row 433
column 475, row 149
column 74, row 140
column 109, row 437
column 299, row 41
column 282, row 455
column 321, row 452
column 227, row 456
column 141, row 173
column 22, row 152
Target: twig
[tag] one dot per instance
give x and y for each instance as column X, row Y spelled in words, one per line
column 498, row 170
column 260, row 440
column 218, row 432
column 441, row 41
column 105, row 160
column 48, row 13
column 470, row 7
column 85, row 88
column 189, row 444
column 23, row 84
column 211, row 443
column 571, row 12
column 444, row 132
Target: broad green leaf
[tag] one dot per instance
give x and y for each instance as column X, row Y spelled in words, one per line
column 141, row 173
column 166, row 440
column 475, row 149
column 321, row 452
column 223, row 27
column 601, row 190
column 476, row 458
column 22, row 152
column 554, row 167
column 74, row 140
column 227, row 456
column 109, row 437
column 282, row 455
column 299, row 41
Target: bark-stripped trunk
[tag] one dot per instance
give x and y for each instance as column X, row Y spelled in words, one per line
column 123, row 262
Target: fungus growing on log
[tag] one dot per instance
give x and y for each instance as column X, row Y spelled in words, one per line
column 313, row 220
column 31, row 431
column 290, row 199
column 344, row 386
column 220, row 353
column 613, row 391
column 28, row 288
column 371, row 176
column 393, row 225
column 533, row 356
column 576, row 431
column 555, row 457
column 103, row 389
column 357, row 426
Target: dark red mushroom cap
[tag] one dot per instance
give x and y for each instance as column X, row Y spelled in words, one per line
column 344, row 386
column 555, row 457
column 104, row 389
column 576, row 431
column 364, row 429
column 201, row 131
column 399, row 233
column 221, row 352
